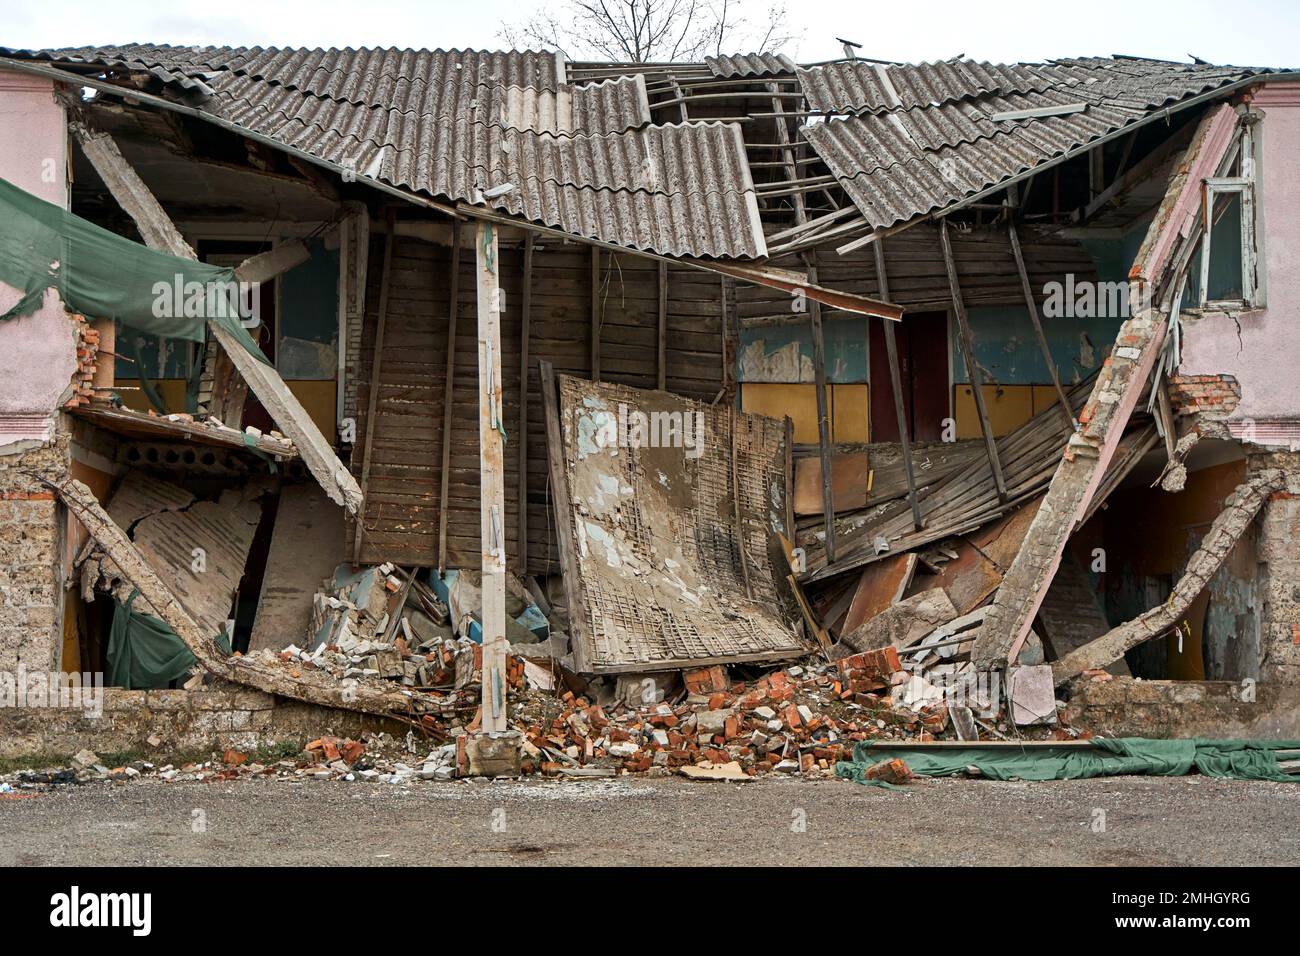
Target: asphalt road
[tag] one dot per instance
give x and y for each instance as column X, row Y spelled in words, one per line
column 1179, row 821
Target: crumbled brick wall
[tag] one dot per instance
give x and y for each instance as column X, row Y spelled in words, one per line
column 32, row 524
column 214, row 717
column 1213, row 396
column 1128, row 707
column 83, row 379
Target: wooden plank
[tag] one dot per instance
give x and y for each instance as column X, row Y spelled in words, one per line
column 880, row 586
column 1032, row 304
column 449, row 385
column 521, row 437
column 579, row 636
column 661, row 361
column 376, row 370
column 823, row 417
column 597, row 313
column 896, row 382
column 492, row 535
column 968, row 355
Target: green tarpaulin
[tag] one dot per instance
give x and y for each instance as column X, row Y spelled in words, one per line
column 143, row 652
column 106, row 276
column 1239, row 759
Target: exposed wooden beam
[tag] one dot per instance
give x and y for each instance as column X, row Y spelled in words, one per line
column 492, row 500
column 896, row 381
column 823, row 416
column 448, row 394
column 968, row 355
column 563, row 510
column 276, row 261
column 1031, row 303
column 661, row 361
column 376, row 371
column 597, row 313
column 521, row 439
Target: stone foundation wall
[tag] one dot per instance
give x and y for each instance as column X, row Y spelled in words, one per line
column 32, row 529
column 1127, row 707
column 212, row 718
column 1279, row 577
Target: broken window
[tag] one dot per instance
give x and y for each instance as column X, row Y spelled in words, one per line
column 1223, row 274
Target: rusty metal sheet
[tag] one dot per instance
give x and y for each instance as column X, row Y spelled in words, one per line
column 661, row 577
column 850, row 478
column 881, row 586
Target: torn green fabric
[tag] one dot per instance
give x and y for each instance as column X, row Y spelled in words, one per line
column 106, row 276
column 143, row 652
column 1237, row 759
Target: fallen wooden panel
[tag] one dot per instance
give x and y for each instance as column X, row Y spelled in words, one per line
column 308, row 542
column 850, row 483
column 200, row 553
column 881, row 585
column 133, row 424
column 658, row 531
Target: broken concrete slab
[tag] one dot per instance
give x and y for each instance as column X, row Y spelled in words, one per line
column 1032, row 695
column 307, row 544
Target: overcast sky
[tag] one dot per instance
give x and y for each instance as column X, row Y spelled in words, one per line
column 1242, row 32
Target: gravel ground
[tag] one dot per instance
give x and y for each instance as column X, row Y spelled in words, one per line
column 1175, row 821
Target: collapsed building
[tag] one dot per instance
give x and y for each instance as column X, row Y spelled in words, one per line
column 632, row 382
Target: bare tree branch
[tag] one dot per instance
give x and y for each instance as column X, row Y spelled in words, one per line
column 649, row 31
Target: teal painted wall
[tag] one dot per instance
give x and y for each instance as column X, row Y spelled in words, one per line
column 845, row 341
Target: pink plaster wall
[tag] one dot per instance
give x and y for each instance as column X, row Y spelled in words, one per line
column 38, row 352
column 1265, row 358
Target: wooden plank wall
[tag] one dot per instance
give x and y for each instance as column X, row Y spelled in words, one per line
column 402, row 498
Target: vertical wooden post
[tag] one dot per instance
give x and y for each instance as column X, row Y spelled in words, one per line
column 448, row 395
column 491, row 480
column 968, row 355
column 896, row 380
column 597, row 313
column 823, row 414
column 376, row 366
column 1032, row 304
column 526, row 306
column 661, row 365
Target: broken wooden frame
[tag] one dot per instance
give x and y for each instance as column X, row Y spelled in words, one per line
column 158, row 231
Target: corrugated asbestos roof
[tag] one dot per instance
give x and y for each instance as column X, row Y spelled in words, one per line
column 582, row 159
column 920, row 138
column 750, row 64
column 583, row 156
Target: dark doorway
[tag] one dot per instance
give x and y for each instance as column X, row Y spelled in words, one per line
column 923, row 366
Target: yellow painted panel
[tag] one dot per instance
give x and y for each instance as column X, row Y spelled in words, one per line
column 319, row 398
column 799, row 401
column 849, row 418
column 1044, row 397
column 1009, row 407
column 171, row 390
